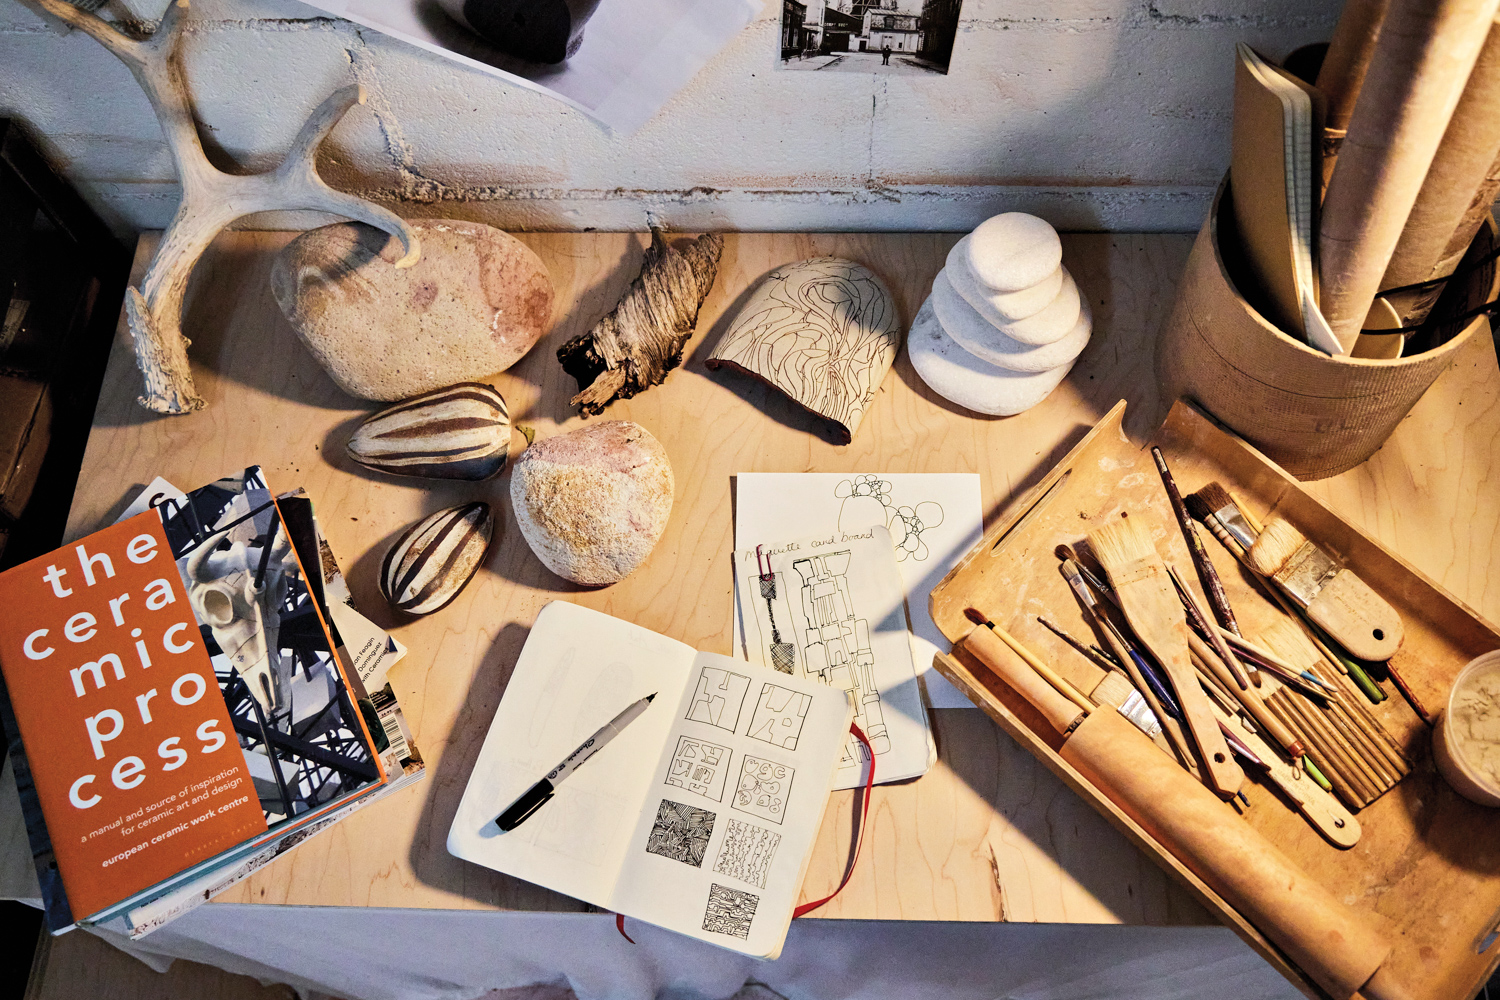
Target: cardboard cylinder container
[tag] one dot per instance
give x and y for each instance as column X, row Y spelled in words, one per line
column 1313, row 414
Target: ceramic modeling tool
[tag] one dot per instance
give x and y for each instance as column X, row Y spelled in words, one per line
column 1207, row 575
column 1334, row 598
column 1144, row 592
column 1330, row 941
column 1206, row 629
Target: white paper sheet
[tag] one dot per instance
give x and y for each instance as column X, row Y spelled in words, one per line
column 635, row 54
column 829, row 608
column 935, row 518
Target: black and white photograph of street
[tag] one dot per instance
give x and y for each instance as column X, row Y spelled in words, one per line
column 904, row 37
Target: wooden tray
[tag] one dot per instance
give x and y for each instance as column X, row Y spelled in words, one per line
column 1427, row 867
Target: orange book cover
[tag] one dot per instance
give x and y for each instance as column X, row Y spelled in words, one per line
column 129, row 742
column 177, row 694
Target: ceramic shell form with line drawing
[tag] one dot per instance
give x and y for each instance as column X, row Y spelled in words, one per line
column 825, row 331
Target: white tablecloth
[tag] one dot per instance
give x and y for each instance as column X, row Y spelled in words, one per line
column 382, row 954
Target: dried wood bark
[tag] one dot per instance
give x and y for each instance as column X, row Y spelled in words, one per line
column 641, row 340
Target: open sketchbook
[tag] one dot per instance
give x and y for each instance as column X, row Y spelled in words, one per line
column 700, row 816
column 831, row 609
column 934, row 518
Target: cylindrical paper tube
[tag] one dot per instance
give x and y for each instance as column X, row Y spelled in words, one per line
column 1443, row 212
column 1421, row 62
column 988, row 648
column 1343, row 70
column 1332, row 943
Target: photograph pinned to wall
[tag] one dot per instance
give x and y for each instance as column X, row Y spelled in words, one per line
column 934, row 520
column 902, row 37
column 617, row 61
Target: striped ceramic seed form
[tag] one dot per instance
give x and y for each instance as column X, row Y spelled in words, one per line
column 458, row 432
column 436, row 557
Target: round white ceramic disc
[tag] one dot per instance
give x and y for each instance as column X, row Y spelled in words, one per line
column 1054, row 322
column 1013, row 251
column 1000, row 307
column 971, row 332
column 960, row 377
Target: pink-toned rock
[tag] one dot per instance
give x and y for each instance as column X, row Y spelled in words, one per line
column 593, row 503
column 475, row 302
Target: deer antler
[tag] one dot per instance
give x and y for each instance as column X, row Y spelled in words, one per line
column 211, row 199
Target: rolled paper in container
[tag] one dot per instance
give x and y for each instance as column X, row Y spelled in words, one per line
column 1314, row 415
column 1331, row 942
column 1456, row 194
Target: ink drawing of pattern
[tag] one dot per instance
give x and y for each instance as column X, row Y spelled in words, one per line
column 746, row 852
column 718, row 697
column 867, row 501
column 699, row 766
column 681, row 833
column 729, row 911
column 824, row 331
column 779, row 714
column 763, row 789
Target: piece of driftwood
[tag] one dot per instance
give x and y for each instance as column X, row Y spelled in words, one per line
column 211, row 199
column 641, row 340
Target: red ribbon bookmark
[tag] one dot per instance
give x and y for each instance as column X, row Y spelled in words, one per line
column 864, row 817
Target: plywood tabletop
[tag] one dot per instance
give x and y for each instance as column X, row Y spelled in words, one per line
column 988, row 834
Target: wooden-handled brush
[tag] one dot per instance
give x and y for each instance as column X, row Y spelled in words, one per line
column 1145, row 594
column 1335, row 599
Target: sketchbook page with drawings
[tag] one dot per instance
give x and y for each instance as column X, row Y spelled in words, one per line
column 577, row 670
column 831, row 609
column 934, row 518
column 734, row 806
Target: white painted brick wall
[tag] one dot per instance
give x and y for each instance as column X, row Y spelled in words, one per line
column 1095, row 114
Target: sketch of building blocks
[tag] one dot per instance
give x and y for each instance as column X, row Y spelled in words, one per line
column 729, row 911
column 836, row 643
column 681, row 833
column 699, row 766
column 779, row 714
column 764, row 789
column 783, row 654
column 718, row 697
column 746, row 852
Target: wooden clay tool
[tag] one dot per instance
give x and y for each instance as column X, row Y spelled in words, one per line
column 1144, row 592
column 1334, row 598
column 1331, row 942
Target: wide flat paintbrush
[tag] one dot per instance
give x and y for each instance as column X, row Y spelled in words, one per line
column 1334, row 598
column 1145, row 594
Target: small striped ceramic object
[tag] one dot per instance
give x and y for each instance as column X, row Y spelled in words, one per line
column 459, row 432
column 436, row 557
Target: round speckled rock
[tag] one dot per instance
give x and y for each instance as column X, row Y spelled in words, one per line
column 1000, row 307
column 593, row 503
column 960, row 377
column 1012, row 251
column 475, row 302
column 971, row 332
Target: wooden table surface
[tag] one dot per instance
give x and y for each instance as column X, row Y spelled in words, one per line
column 987, row 834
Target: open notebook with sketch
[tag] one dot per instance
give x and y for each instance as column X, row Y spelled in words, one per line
column 700, row 816
column 934, row 518
column 830, row 609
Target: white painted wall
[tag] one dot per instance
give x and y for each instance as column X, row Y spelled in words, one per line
column 1095, row 114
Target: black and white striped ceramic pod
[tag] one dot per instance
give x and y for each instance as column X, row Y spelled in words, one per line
column 435, row 558
column 461, row 431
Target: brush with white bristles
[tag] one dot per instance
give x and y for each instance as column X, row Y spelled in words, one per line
column 1335, row 599
column 1144, row 592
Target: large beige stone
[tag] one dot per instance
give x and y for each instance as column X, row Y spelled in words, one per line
column 593, row 503
column 472, row 306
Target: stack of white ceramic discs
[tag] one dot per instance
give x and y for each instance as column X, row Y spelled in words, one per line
column 1004, row 322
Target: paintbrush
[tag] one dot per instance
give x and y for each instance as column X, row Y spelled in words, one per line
column 1221, row 506
column 1141, row 675
column 1334, row 598
column 1095, row 658
column 1144, row 592
column 1207, row 575
column 1200, row 623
